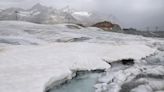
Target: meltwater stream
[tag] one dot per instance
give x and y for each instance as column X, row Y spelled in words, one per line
column 82, row 83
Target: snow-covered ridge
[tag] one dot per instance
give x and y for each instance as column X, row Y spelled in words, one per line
column 37, row 14
column 47, row 15
column 58, row 50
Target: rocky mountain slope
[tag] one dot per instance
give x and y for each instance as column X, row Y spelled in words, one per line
column 47, row 15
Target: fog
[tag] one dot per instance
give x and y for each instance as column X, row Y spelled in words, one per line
column 138, row 14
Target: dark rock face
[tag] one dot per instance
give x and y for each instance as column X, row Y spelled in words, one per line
column 104, row 24
column 107, row 26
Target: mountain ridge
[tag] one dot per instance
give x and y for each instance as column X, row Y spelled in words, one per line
column 48, row 15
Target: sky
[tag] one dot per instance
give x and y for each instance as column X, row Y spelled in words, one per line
column 138, row 14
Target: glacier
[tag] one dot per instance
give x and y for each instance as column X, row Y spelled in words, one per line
column 36, row 56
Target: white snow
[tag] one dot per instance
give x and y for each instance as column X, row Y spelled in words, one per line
column 31, row 68
column 82, row 13
column 128, row 77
